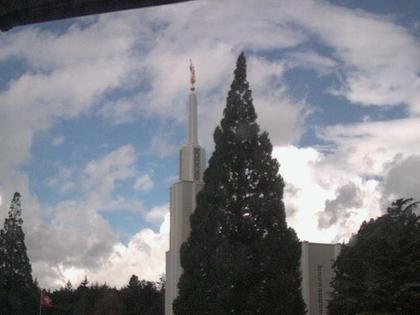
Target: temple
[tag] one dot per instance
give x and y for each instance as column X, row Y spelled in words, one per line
column 316, row 265
column 183, row 198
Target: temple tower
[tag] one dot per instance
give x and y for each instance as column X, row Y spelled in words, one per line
column 183, row 198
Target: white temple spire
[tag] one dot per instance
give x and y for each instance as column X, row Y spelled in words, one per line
column 192, row 120
column 183, row 198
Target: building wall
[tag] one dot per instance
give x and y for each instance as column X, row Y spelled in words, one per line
column 183, row 203
column 317, row 273
column 192, row 162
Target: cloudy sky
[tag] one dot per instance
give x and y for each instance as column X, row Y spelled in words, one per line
column 93, row 111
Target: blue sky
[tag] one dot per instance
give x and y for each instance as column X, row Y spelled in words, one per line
column 93, row 111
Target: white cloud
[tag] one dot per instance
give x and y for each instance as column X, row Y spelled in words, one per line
column 370, row 163
column 144, row 255
column 377, row 67
column 214, row 53
column 144, row 183
column 79, row 44
column 307, row 197
column 57, row 140
column 165, row 227
column 102, row 174
column 279, row 113
column 380, row 58
column 62, row 180
column 71, row 71
column 64, row 75
column 368, row 148
column 311, row 60
column 377, row 158
column 157, row 214
column 311, row 185
column 77, row 237
column 119, row 112
column 162, row 146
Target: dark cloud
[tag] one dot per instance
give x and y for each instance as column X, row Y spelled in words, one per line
column 402, row 181
column 348, row 197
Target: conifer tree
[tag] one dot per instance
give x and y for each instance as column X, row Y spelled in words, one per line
column 241, row 257
column 141, row 297
column 19, row 290
column 82, row 298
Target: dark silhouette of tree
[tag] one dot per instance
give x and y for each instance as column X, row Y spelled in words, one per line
column 142, row 297
column 139, row 297
column 109, row 304
column 378, row 272
column 63, row 300
column 241, row 257
column 19, row 293
column 81, row 302
column 131, row 296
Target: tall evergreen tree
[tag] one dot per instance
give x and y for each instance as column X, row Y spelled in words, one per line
column 82, row 301
column 379, row 270
column 142, row 297
column 241, row 257
column 19, row 292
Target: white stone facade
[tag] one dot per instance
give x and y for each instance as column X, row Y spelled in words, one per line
column 183, row 202
column 317, row 272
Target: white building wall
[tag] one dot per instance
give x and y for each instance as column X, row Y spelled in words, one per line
column 317, row 273
column 183, row 203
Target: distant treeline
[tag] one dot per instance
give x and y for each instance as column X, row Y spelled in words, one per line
column 138, row 297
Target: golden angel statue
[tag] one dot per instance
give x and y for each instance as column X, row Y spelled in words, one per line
column 192, row 78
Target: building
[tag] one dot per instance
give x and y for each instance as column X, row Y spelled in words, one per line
column 183, row 197
column 316, row 260
column 317, row 272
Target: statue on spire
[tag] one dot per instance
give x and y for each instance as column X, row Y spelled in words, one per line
column 192, row 78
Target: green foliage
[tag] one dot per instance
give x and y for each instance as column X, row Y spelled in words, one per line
column 109, row 304
column 139, row 297
column 379, row 271
column 142, row 297
column 18, row 291
column 63, row 300
column 241, row 257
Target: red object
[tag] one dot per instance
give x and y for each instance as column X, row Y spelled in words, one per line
column 46, row 301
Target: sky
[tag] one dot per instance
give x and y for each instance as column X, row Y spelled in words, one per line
column 93, row 113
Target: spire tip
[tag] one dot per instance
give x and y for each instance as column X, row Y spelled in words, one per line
column 192, row 77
